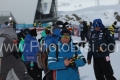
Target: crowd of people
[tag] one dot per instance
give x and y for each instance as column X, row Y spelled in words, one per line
column 55, row 53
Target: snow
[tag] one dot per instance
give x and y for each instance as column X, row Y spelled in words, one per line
column 71, row 5
column 87, row 72
column 106, row 13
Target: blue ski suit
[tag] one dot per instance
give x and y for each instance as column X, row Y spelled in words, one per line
column 63, row 72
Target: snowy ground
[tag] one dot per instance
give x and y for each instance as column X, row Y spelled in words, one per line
column 106, row 13
column 87, row 72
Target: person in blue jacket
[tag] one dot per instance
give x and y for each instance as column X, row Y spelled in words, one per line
column 68, row 61
column 51, row 38
column 31, row 48
column 101, row 44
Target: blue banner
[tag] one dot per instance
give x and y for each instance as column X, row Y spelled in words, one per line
column 29, row 25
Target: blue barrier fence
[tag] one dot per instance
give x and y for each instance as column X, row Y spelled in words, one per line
column 26, row 25
column 29, row 25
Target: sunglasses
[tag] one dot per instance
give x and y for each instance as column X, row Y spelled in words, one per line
column 65, row 36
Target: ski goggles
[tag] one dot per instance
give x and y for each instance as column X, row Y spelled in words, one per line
column 65, row 36
column 97, row 25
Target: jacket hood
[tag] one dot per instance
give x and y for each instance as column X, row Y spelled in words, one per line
column 57, row 32
column 9, row 31
column 7, row 46
column 33, row 32
column 28, row 38
column 49, row 40
column 56, row 27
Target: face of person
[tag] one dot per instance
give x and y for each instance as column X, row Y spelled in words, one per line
column 97, row 28
column 81, row 22
column 65, row 39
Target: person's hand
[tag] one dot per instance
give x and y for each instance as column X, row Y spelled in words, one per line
column 89, row 62
column 70, row 60
column 67, row 62
column 101, row 49
column 72, row 63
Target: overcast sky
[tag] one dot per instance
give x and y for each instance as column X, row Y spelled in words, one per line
column 88, row 3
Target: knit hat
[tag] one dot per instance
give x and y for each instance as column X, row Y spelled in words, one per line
column 65, row 31
column 65, row 24
column 26, row 31
column 33, row 32
column 97, row 23
column 59, row 23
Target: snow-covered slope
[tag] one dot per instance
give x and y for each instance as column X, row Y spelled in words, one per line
column 71, row 5
column 106, row 13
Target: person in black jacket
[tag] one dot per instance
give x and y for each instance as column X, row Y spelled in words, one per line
column 100, row 47
column 21, row 35
column 65, row 25
column 85, row 31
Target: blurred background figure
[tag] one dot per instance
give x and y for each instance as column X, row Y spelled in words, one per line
column 112, row 28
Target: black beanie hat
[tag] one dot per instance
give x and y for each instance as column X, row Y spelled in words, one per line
column 65, row 31
column 33, row 32
column 59, row 23
column 66, row 23
column 26, row 31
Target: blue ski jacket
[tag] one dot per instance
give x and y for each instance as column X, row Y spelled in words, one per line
column 63, row 72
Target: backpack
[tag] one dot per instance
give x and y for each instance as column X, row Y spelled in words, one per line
column 42, row 58
column 43, row 54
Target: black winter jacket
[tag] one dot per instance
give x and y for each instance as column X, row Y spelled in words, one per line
column 100, row 38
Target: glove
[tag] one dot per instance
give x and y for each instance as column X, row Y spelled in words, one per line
column 89, row 62
column 84, row 60
column 39, row 40
column 72, row 65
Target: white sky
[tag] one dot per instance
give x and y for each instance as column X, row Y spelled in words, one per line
column 86, row 3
